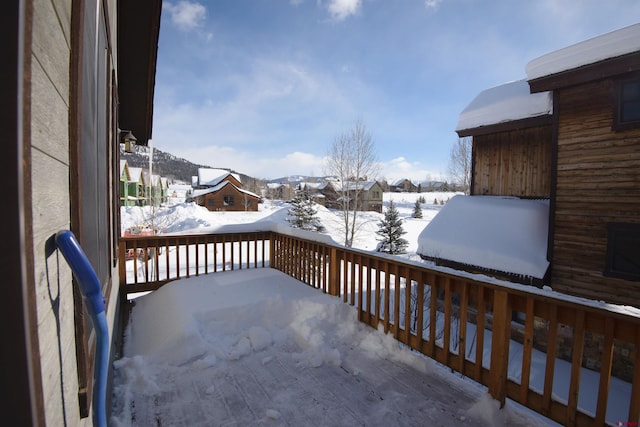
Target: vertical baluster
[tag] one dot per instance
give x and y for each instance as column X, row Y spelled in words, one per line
column 462, row 343
column 500, row 336
column 552, row 335
column 576, row 368
column 407, row 304
column 634, row 404
column 446, row 345
column 527, row 350
column 387, row 297
column 197, row 256
column 480, row 334
column 420, row 307
column 433, row 316
column 605, row 370
column 187, row 248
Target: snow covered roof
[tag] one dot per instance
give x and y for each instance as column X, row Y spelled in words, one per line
column 359, row 185
column 220, row 186
column 610, row 45
column 124, row 167
column 211, row 177
column 504, row 103
column 136, row 174
column 498, row 233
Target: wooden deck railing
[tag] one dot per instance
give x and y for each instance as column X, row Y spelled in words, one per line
column 465, row 323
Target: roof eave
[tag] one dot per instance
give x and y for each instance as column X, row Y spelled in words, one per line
column 528, row 122
column 596, row 71
column 138, row 34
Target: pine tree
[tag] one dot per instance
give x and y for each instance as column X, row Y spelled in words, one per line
column 417, row 210
column 302, row 213
column 390, row 230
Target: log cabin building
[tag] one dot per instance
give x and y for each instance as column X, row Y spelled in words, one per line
column 594, row 229
column 569, row 134
column 221, row 190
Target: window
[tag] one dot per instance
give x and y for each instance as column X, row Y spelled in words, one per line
column 623, row 251
column 210, row 202
column 628, row 104
column 228, row 200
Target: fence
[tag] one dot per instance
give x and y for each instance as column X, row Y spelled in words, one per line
column 486, row 331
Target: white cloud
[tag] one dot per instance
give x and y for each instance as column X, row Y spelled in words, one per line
column 186, row 15
column 342, row 9
column 432, row 4
column 400, row 167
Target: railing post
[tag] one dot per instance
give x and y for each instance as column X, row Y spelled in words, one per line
column 122, row 264
column 334, row 272
column 272, row 251
column 500, row 336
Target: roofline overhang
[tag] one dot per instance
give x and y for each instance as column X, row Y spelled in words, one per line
column 606, row 68
column 529, row 122
column 138, row 35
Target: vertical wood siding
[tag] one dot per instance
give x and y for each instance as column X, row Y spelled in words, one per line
column 513, row 163
column 598, row 181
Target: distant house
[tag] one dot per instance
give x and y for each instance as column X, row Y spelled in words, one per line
column 137, row 191
column 221, row 190
column 403, row 185
column 562, row 150
column 278, row 191
column 367, row 193
column 125, row 178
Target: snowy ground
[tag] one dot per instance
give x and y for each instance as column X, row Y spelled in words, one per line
column 224, row 338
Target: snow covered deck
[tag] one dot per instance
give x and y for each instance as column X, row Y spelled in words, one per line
column 257, row 347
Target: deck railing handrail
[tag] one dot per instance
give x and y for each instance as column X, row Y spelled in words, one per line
column 435, row 312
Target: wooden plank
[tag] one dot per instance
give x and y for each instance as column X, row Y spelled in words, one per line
column 446, row 344
column 501, row 334
column 420, row 305
column 576, row 368
column 407, row 304
column 462, row 343
column 527, row 349
column 605, row 371
column 552, row 335
column 387, row 296
column 634, row 404
column 433, row 307
column 480, row 318
column 396, row 302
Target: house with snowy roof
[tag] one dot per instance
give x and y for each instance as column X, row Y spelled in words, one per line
column 403, row 185
column 221, row 190
column 555, row 175
column 368, row 195
column 137, row 187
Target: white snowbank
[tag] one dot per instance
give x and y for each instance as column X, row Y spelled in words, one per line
column 497, row 233
column 508, row 102
column 610, row 45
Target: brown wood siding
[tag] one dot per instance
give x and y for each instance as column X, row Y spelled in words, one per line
column 513, row 163
column 215, row 201
column 598, row 181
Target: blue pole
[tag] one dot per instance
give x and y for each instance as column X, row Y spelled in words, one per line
column 94, row 304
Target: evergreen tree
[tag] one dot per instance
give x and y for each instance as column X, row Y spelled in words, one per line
column 417, row 210
column 390, row 230
column 302, row 213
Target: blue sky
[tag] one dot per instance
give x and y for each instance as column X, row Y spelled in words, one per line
column 264, row 86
